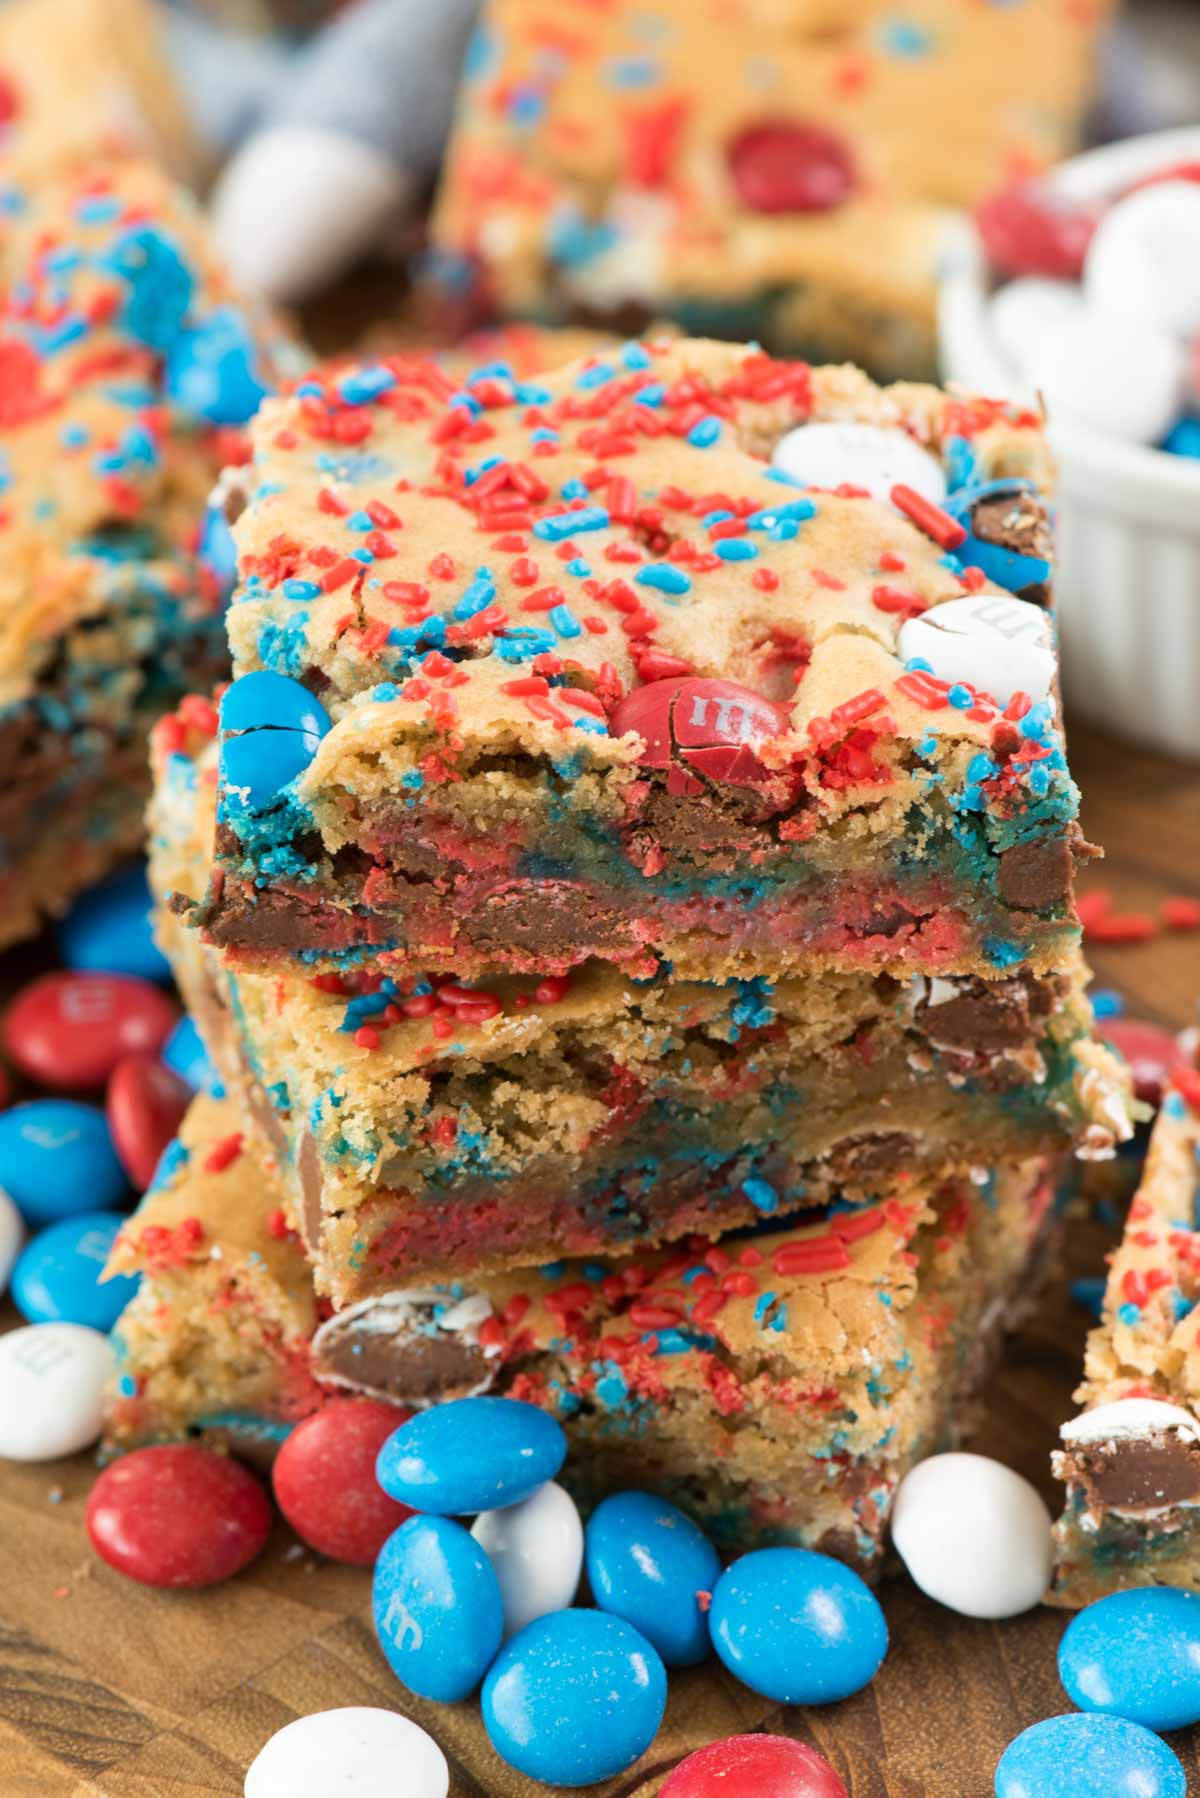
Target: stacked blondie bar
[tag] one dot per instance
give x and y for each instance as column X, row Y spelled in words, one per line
column 626, row 892
column 126, row 372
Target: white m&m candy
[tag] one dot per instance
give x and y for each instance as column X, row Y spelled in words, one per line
column 1024, row 311
column 973, row 1534
column 987, row 641
column 1144, row 261
column 12, row 1234
column 52, row 1380
column 358, row 1752
column 870, row 456
column 1106, row 372
column 536, row 1550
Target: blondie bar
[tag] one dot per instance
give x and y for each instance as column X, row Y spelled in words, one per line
column 126, row 371
column 1131, row 1459
column 777, row 1385
column 82, row 82
column 536, row 672
column 217, row 1336
column 429, row 1128
column 774, row 172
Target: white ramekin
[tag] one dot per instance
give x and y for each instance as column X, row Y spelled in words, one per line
column 1128, row 578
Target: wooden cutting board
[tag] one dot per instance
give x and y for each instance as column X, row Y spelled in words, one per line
column 108, row 1690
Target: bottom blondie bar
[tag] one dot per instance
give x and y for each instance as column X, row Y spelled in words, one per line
column 1131, row 1459
column 777, row 1384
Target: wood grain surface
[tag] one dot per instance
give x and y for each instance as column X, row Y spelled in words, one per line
column 108, row 1690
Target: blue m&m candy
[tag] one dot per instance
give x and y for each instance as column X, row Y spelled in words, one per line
column 57, row 1275
column 57, row 1160
column 1082, row 1756
column 108, row 930
column 1136, row 1654
column 437, row 1608
column 575, row 1697
column 647, row 1562
column 798, row 1627
column 271, row 727
column 212, row 370
column 184, row 1053
column 472, row 1454
column 268, row 701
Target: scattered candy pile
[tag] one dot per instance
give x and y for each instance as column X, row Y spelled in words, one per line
column 1104, row 315
column 569, row 1695
column 102, row 1026
column 577, row 1695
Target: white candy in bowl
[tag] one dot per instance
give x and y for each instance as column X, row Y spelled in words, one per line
column 1115, row 357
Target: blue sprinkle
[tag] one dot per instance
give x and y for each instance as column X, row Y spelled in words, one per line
column 761, row 1194
column 98, row 210
column 961, row 697
column 561, row 525
column 565, row 622
column 906, row 39
column 765, row 1301
column 665, row 576
column 612, row 1390
column 477, row 597
column 705, row 433
column 1107, row 1003
column 360, row 521
column 577, row 566
column 768, row 516
column 597, row 376
column 298, row 589
column 736, row 549
column 635, row 355
column 365, row 385
column 574, row 490
column 1129, row 1313
column 653, row 394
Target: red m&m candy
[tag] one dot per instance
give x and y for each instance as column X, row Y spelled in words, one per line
column 1150, row 1051
column 324, row 1479
column 145, row 1107
column 178, row 1515
column 754, row 1767
column 711, row 726
column 784, row 166
column 1027, row 232
column 70, row 1030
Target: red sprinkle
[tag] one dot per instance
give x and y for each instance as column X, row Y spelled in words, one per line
column 1180, row 913
column 1186, row 1081
column 223, row 1154
column 946, row 532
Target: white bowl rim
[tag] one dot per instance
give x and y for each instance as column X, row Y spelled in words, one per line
column 963, row 310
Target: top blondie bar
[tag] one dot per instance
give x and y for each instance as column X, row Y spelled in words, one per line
column 680, row 654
